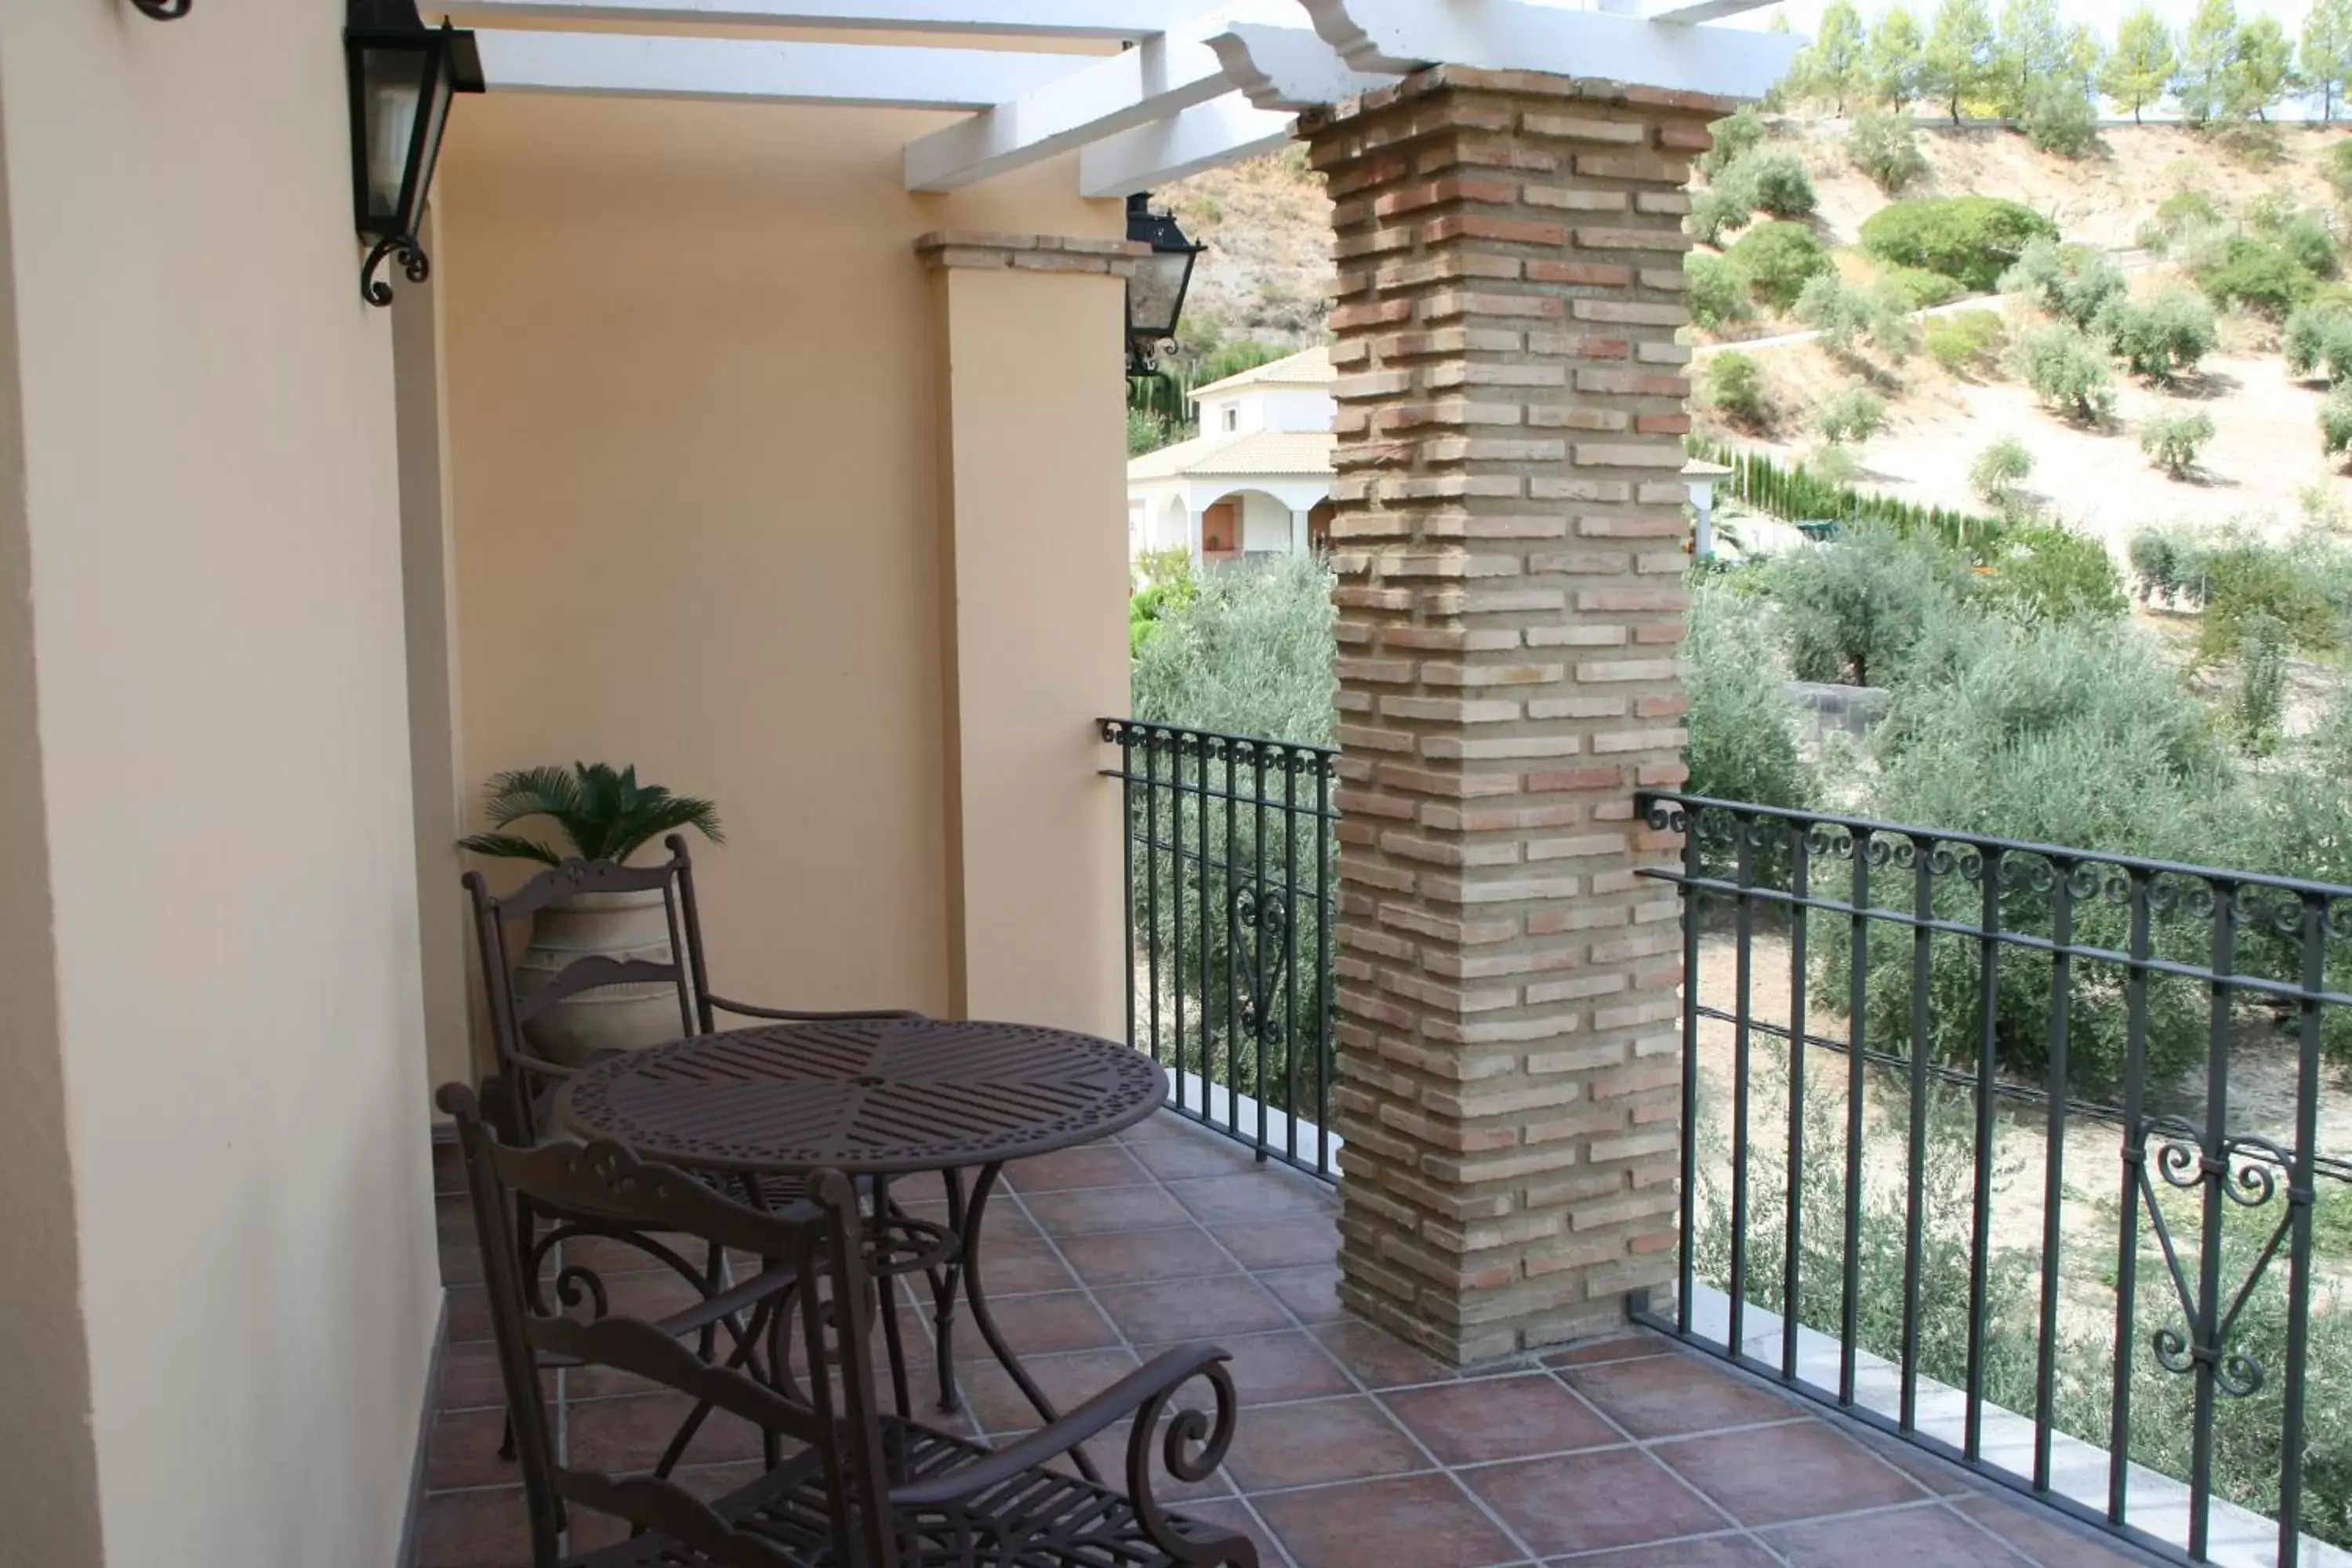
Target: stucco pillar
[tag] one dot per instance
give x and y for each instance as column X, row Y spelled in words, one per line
column 1508, row 540
column 1033, row 630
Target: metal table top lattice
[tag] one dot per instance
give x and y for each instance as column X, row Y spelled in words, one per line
column 865, row 1096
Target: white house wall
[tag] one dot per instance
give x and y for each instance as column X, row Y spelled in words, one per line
column 1293, row 408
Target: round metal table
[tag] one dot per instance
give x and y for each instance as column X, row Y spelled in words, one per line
column 877, row 1098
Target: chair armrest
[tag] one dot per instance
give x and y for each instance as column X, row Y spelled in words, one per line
column 760, row 1287
column 1147, row 1385
column 794, row 1015
column 540, row 1067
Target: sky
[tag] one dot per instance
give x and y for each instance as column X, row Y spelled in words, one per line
column 2102, row 14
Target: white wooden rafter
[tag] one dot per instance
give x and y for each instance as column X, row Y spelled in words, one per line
column 1289, row 67
column 1206, row 136
column 626, row 64
column 1508, row 34
column 1689, row 11
column 1159, row 79
column 983, row 18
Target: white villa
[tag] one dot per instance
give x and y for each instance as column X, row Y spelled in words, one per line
column 1256, row 481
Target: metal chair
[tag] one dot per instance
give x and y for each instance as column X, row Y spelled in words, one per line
column 520, row 1092
column 855, row 1487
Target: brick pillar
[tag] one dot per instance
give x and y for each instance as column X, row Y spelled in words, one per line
column 1508, row 541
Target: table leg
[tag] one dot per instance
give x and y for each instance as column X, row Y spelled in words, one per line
column 886, row 1295
column 976, row 1294
column 943, row 1293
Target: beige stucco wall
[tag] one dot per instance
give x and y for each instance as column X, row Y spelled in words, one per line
column 696, row 470
column 209, row 526
column 1034, row 627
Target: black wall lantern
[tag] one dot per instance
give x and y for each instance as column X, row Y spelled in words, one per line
column 404, row 76
column 1155, row 295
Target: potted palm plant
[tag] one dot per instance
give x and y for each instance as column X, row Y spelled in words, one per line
column 599, row 814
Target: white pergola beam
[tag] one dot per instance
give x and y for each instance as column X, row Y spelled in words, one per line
column 1160, row 77
column 1288, row 68
column 1004, row 19
column 1689, row 11
column 1207, row 136
column 1508, row 34
column 623, row 65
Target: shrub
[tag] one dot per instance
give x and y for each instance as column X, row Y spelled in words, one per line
column 2172, row 441
column 2056, row 731
column 1853, row 609
column 1998, row 470
column 2336, row 167
column 1716, row 210
column 2336, row 421
column 1963, row 340
column 2157, row 561
column 2067, row 373
column 1972, row 238
column 1886, row 148
column 2244, row 581
column 2161, row 339
column 2186, row 210
column 2258, row 702
column 1918, row 288
column 1249, row 653
column 1733, row 385
column 2072, row 282
column 2054, row 573
column 1778, row 260
column 1735, row 135
column 1854, row 414
column 2308, row 244
column 2059, row 118
column 1775, row 181
column 1716, row 296
column 1834, row 465
column 2258, row 275
column 1744, row 721
column 2318, row 338
column 1840, row 312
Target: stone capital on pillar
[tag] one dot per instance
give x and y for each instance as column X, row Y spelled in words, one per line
column 1508, row 544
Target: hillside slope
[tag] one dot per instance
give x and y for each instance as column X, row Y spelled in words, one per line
column 1268, row 223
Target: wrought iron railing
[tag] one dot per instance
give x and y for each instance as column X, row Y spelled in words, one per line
column 1229, row 865
column 2012, row 1150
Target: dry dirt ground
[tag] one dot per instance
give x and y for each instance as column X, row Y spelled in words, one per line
column 2264, row 453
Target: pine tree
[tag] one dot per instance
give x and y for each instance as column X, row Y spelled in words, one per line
column 1959, row 53
column 1830, row 68
column 2144, row 60
column 2261, row 70
column 2326, row 57
column 2207, row 53
column 2031, row 50
column 1891, row 62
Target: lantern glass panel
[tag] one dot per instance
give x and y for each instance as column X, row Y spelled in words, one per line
column 1157, row 293
column 392, row 88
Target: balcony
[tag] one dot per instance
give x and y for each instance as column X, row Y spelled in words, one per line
column 1354, row 1447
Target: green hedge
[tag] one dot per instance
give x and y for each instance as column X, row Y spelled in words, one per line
column 1972, row 238
column 1794, row 493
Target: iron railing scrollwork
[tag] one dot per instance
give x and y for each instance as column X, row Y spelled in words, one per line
column 1971, row 990
column 1229, row 860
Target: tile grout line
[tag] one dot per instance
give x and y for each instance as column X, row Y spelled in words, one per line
column 1365, row 1391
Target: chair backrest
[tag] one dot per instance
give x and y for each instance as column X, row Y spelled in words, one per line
column 684, row 971
column 818, row 1238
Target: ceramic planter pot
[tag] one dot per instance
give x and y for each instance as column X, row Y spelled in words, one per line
column 612, row 1017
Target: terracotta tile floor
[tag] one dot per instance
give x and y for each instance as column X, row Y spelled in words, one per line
column 1354, row 1450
